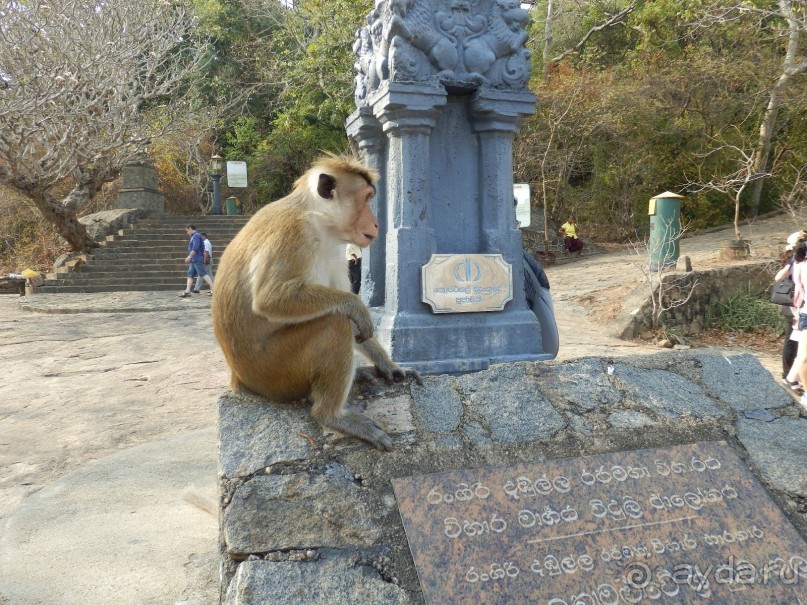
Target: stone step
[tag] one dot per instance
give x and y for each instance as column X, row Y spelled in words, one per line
column 134, row 254
column 101, row 270
column 146, row 236
column 148, row 256
column 102, row 276
column 88, row 289
column 180, row 222
column 112, row 273
column 176, row 280
column 218, row 244
column 127, row 246
column 180, row 233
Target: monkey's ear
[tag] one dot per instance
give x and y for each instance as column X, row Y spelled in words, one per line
column 326, row 185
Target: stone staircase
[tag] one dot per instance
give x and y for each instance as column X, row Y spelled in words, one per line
column 149, row 256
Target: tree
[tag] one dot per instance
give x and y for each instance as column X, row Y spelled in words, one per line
column 734, row 184
column 552, row 145
column 85, row 85
column 787, row 20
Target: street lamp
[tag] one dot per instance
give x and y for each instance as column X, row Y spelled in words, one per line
column 216, row 168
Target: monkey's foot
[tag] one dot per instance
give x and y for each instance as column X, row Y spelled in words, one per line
column 358, row 425
column 366, row 377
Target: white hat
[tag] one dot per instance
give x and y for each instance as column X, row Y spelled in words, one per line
column 792, row 239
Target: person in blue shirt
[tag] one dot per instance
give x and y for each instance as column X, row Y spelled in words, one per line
column 195, row 260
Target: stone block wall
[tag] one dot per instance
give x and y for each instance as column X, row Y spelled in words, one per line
column 708, row 286
column 311, row 518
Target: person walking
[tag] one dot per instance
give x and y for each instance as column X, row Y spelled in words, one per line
column 790, row 346
column 195, row 260
column 799, row 271
column 208, row 264
column 571, row 241
column 353, row 254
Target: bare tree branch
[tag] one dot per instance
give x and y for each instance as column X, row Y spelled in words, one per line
column 667, row 290
column 612, row 20
column 87, row 86
column 790, row 18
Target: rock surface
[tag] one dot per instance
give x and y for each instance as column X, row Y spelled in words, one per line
column 109, row 222
column 327, row 499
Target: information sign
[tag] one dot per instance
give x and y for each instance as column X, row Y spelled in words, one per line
column 521, row 193
column 465, row 283
column 236, row 175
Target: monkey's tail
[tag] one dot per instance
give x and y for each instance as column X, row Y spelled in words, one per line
column 203, row 501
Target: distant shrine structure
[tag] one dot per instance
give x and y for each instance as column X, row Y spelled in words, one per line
column 441, row 91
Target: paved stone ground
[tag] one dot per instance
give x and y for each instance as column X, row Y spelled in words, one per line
column 100, row 394
column 105, row 418
column 579, row 286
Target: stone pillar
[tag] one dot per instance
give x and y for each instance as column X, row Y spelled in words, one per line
column 140, row 189
column 364, row 130
column 497, row 117
column 408, row 114
column 448, row 85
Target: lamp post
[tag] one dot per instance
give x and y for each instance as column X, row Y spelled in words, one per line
column 216, row 167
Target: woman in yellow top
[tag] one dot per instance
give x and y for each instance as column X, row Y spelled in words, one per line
column 571, row 242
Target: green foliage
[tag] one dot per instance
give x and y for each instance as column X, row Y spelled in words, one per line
column 293, row 148
column 315, row 50
column 298, row 65
column 745, row 313
column 666, row 102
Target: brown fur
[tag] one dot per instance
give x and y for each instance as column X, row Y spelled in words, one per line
column 283, row 312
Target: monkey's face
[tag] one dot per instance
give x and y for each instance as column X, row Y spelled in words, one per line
column 364, row 228
column 347, row 205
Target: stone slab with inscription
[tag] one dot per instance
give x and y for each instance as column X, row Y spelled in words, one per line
column 466, row 283
column 684, row 524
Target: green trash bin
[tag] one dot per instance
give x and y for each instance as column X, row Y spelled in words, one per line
column 665, row 230
column 232, row 206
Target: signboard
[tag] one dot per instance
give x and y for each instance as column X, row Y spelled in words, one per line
column 466, row 283
column 686, row 524
column 521, row 192
column 236, row 174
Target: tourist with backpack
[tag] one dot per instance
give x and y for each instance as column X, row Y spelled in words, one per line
column 208, row 264
column 195, row 260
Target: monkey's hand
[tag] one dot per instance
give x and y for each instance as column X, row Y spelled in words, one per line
column 384, row 366
column 392, row 372
column 401, row 374
column 360, row 316
column 366, row 377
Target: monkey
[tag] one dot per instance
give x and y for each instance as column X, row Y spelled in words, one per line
column 284, row 314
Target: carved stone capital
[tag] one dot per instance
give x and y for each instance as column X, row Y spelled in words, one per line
column 365, row 129
column 408, row 106
column 501, row 110
column 362, row 125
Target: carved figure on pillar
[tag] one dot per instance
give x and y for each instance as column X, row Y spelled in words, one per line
column 453, row 42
